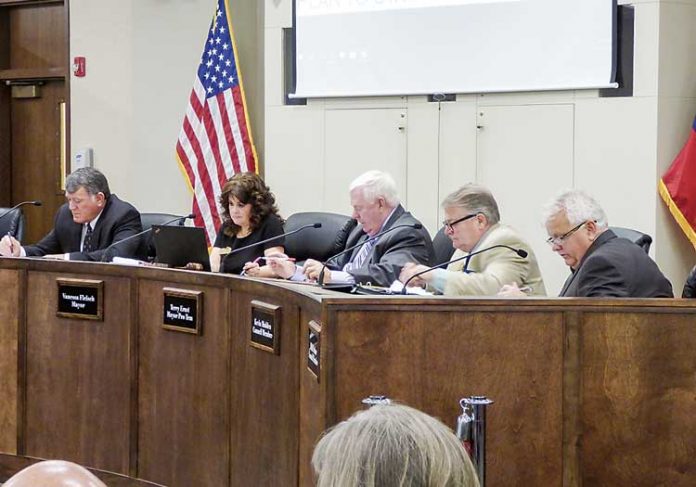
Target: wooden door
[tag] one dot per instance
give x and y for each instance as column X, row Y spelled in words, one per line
column 33, row 121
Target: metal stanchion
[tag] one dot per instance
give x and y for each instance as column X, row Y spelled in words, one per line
column 471, row 431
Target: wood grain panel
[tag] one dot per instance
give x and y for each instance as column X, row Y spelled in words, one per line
column 34, row 31
column 639, row 394
column 184, row 384
column 10, row 305
column 313, row 413
column 5, row 161
column 78, row 377
column 36, row 155
column 430, row 360
column 264, row 432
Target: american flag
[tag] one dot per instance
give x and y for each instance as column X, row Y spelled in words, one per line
column 215, row 141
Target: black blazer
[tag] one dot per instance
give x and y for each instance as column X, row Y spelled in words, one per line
column 118, row 220
column 616, row 267
column 391, row 251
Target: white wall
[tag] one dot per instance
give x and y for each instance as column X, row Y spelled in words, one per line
column 142, row 56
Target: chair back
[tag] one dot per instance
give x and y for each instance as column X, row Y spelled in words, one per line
column 317, row 243
column 641, row 239
column 150, row 219
column 442, row 246
column 12, row 223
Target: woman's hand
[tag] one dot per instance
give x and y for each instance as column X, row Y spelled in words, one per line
column 252, row 269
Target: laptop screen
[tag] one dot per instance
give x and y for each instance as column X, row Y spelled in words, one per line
column 177, row 246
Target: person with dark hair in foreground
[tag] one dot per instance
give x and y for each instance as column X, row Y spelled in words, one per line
column 392, row 445
column 249, row 215
column 91, row 221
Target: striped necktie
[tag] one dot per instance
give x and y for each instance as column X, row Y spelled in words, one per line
column 87, row 244
column 361, row 256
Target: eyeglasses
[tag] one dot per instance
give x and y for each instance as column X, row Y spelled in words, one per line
column 559, row 240
column 450, row 225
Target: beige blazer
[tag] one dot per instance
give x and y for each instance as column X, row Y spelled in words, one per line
column 489, row 271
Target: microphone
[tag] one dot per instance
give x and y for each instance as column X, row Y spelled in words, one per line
column 105, row 255
column 277, row 237
column 35, row 203
column 521, row 252
column 320, row 280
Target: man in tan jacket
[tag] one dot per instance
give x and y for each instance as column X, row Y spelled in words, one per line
column 472, row 222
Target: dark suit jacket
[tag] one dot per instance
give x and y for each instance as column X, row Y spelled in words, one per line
column 689, row 290
column 391, row 251
column 616, row 267
column 118, row 220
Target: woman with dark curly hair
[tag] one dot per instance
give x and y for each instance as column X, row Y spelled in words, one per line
column 249, row 215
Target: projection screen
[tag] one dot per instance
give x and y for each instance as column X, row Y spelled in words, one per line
column 402, row 47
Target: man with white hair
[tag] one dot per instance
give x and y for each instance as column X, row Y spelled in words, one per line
column 602, row 264
column 377, row 208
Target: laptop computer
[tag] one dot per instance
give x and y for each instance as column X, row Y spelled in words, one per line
column 176, row 246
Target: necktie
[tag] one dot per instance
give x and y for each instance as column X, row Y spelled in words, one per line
column 361, row 256
column 87, row 244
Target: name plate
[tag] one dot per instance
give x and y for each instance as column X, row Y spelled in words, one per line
column 80, row 299
column 314, row 348
column 182, row 310
column 264, row 331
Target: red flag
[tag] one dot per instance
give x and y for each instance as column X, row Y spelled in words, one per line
column 678, row 187
column 215, row 141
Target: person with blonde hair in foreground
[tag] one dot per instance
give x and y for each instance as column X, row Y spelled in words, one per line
column 54, row 473
column 392, row 445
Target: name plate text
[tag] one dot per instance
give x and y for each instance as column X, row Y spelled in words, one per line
column 264, row 327
column 80, row 299
column 314, row 348
column 182, row 310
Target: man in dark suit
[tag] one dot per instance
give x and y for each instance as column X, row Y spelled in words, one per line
column 376, row 207
column 602, row 264
column 86, row 225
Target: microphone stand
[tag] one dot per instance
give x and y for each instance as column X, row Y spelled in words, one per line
column 105, row 255
column 521, row 252
column 35, row 203
column 320, row 280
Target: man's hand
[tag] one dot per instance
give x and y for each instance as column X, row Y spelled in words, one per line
column 511, row 291
column 54, row 256
column 9, row 246
column 312, row 269
column 410, row 269
column 281, row 265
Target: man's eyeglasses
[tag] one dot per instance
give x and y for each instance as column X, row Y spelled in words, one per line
column 559, row 240
column 450, row 225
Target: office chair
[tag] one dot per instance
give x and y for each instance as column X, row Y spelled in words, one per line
column 317, row 243
column 442, row 245
column 641, row 239
column 12, row 223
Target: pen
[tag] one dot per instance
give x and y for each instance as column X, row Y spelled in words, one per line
column 11, row 246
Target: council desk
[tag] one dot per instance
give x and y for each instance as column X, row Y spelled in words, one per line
column 186, row 378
